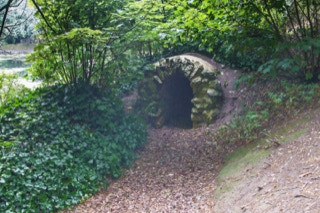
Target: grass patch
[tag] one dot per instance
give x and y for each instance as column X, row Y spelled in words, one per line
column 292, row 136
column 236, row 163
column 292, row 129
column 240, row 159
column 250, row 155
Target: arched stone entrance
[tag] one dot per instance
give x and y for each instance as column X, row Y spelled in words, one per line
column 181, row 92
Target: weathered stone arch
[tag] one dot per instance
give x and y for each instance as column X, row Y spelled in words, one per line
column 177, row 82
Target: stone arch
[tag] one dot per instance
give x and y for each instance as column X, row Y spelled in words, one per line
column 180, row 89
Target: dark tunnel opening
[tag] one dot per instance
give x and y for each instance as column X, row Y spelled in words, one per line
column 176, row 94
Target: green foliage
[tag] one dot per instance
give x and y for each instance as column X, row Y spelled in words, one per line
column 276, row 67
column 59, row 144
column 293, row 96
column 63, row 15
column 273, row 105
column 231, row 31
column 141, row 20
column 245, row 128
column 298, row 65
column 76, row 56
column 94, row 42
column 9, row 88
column 280, row 37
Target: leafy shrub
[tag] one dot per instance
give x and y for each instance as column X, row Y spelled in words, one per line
column 58, row 145
column 273, row 103
column 301, row 63
column 78, row 54
column 9, row 88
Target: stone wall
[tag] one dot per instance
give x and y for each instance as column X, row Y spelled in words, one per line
column 207, row 94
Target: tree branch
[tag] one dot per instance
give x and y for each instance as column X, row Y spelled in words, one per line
column 42, row 15
column 6, row 8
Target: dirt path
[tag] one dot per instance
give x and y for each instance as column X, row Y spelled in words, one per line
column 176, row 170
column 175, row 173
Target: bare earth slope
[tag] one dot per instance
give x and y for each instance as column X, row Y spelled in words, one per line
column 288, row 180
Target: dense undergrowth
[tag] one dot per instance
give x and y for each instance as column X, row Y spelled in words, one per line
column 9, row 88
column 59, row 144
column 271, row 102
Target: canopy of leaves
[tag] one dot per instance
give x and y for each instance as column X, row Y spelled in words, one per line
column 89, row 41
column 244, row 33
column 74, row 56
column 58, row 17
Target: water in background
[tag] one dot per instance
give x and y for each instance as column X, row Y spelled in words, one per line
column 16, row 64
